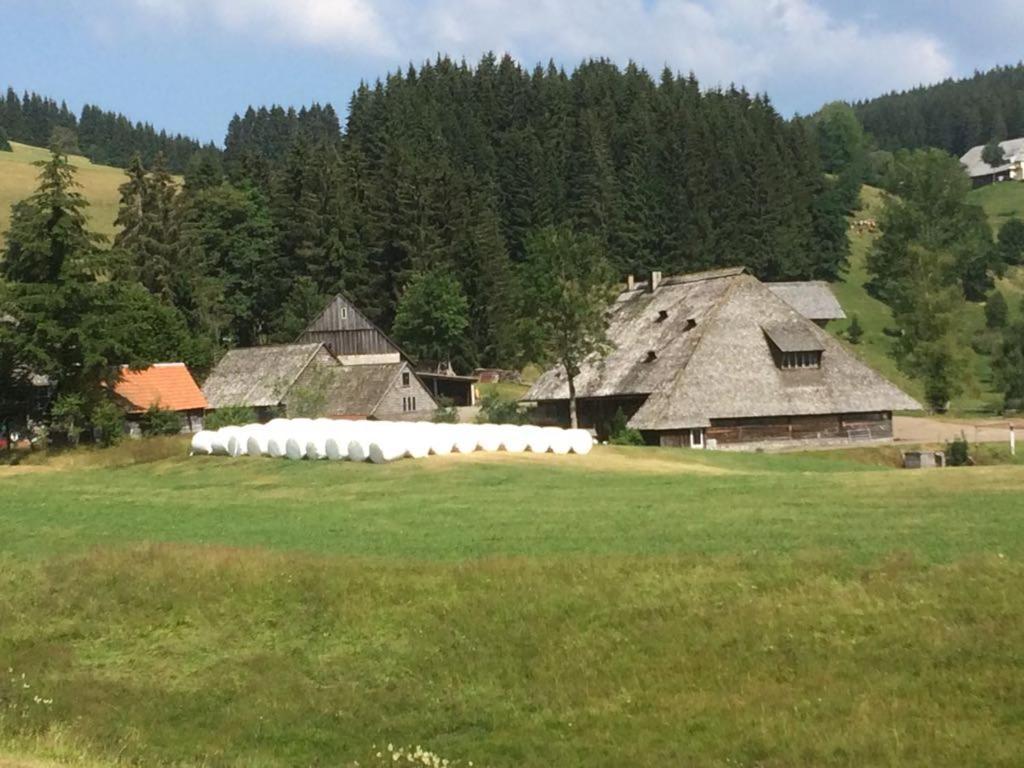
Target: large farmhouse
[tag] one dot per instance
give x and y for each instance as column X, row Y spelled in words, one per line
column 719, row 358
column 1011, row 169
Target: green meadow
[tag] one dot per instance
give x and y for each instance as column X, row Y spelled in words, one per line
column 631, row 607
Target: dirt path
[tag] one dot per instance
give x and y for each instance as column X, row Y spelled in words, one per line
column 919, row 429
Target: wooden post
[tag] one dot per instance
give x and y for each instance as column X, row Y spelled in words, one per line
column 1013, row 441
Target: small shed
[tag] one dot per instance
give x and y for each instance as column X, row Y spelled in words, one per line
column 923, row 459
column 168, row 386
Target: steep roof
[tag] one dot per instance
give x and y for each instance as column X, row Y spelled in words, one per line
column 1013, row 151
column 167, row 385
column 722, row 365
column 257, row 376
column 356, row 390
column 811, row 298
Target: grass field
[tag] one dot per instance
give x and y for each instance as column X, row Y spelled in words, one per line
column 631, row 607
column 99, row 185
column 876, row 348
column 1000, row 201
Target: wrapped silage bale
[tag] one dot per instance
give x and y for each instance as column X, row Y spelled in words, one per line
column 513, row 438
column 336, row 444
column 442, row 439
column 256, row 442
column 415, row 436
column 385, row 448
column 465, row 438
column 225, row 442
column 316, row 445
column 558, row 439
column 276, row 443
column 362, row 435
column 580, row 441
column 202, row 443
column 489, row 438
column 537, row 440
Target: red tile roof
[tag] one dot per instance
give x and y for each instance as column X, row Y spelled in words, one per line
column 168, row 385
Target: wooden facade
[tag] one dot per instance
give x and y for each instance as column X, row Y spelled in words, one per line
column 842, row 426
column 346, row 331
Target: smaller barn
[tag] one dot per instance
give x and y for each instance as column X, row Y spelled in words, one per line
column 289, row 379
column 168, row 386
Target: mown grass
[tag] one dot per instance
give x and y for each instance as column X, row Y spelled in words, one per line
column 1000, row 201
column 632, row 607
column 18, row 180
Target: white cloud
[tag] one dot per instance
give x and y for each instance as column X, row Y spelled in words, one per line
column 776, row 45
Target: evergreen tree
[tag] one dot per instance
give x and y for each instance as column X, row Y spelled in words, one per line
column 996, row 310
column 856, row 331
column 5, row 144
column 1011, row 242
column 993, row 154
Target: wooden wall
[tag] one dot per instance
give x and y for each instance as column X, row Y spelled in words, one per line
column 347, row 331
column 855, row 426
column 391, row 405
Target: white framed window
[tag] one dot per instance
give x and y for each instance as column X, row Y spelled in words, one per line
column 344, row 312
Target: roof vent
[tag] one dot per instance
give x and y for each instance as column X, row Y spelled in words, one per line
column 630, row 282
column 651, row 356
column 655, row 281
column 662, row 316
column 690, row 324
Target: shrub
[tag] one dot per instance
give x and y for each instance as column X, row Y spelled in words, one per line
column 996, row 310
column 855, row 332
column 67, row 417
column 620, row 434
column 957, row 452
column 159, row 421
column 495, row 409
column 231, row 416
column 446, row 412
column 107, row 423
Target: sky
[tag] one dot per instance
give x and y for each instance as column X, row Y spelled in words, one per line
column 188, row 65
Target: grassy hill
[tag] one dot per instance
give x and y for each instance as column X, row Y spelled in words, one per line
column 630, row 607
column 99, row 185
column 875, row 347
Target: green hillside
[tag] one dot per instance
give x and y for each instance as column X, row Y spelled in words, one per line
column 99, row 185
column 1000, row 201
column 875, row 347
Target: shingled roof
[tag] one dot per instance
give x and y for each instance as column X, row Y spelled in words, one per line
column 357, row 390
column 1013, row 152
column 811, row 298
column 257, row 376
column 697, row 346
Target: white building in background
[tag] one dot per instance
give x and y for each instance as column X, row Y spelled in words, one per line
column 982, row 173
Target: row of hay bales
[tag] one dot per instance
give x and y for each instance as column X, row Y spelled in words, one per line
column 383, row 441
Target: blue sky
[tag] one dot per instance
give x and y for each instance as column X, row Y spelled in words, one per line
column 188, row 65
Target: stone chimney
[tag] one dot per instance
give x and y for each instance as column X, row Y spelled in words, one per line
column 652, row 286
column 630, row 282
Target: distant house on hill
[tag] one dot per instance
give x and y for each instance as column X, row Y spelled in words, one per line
column 720, row 358
column 357, row 341
column 168, row 386
column 981, row 173
column 287, row 378
column 812, row 298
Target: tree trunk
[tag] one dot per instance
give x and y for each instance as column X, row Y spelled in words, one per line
column 573, row 422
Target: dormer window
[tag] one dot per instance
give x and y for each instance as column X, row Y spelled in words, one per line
column 793, row 345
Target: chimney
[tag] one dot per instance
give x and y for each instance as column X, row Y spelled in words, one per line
column 630, row 282
column 652, row 286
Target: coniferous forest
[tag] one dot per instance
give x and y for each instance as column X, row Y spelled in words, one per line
column 104, row 137
column 954, row 115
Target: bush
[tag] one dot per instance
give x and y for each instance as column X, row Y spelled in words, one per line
column 159, row 421
column 495, row 409
column 107, row 424
column 855, row 332
column 620, row 434
column 67, row 417
column 957, row 452
column 231, row 416
column 996, row 310
column 446, row 412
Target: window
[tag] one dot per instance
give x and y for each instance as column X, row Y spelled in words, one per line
column 405, row 378
column 344, row 312
column 810, row 359
column 408, row 404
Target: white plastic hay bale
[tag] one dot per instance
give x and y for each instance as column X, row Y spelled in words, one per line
column 257, row 437
column 225, row 442
column 513, row 438
column 489, row 438
column 202, row 443
column 442, row 439
column 336, row 444
column 385, row 449
column 580, row 441
column 319, row 433
column 465, row 438
column 558, row 439
column 276, row 444
column 537, row 440
column 295, row 447
column 360, row 438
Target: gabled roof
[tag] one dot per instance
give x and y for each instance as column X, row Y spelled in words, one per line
column 1013, row 151
column 166, row 385
column 356, row 390
column 811, row 298
column 258, row 376
column 792, row 336
column 722, row 366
